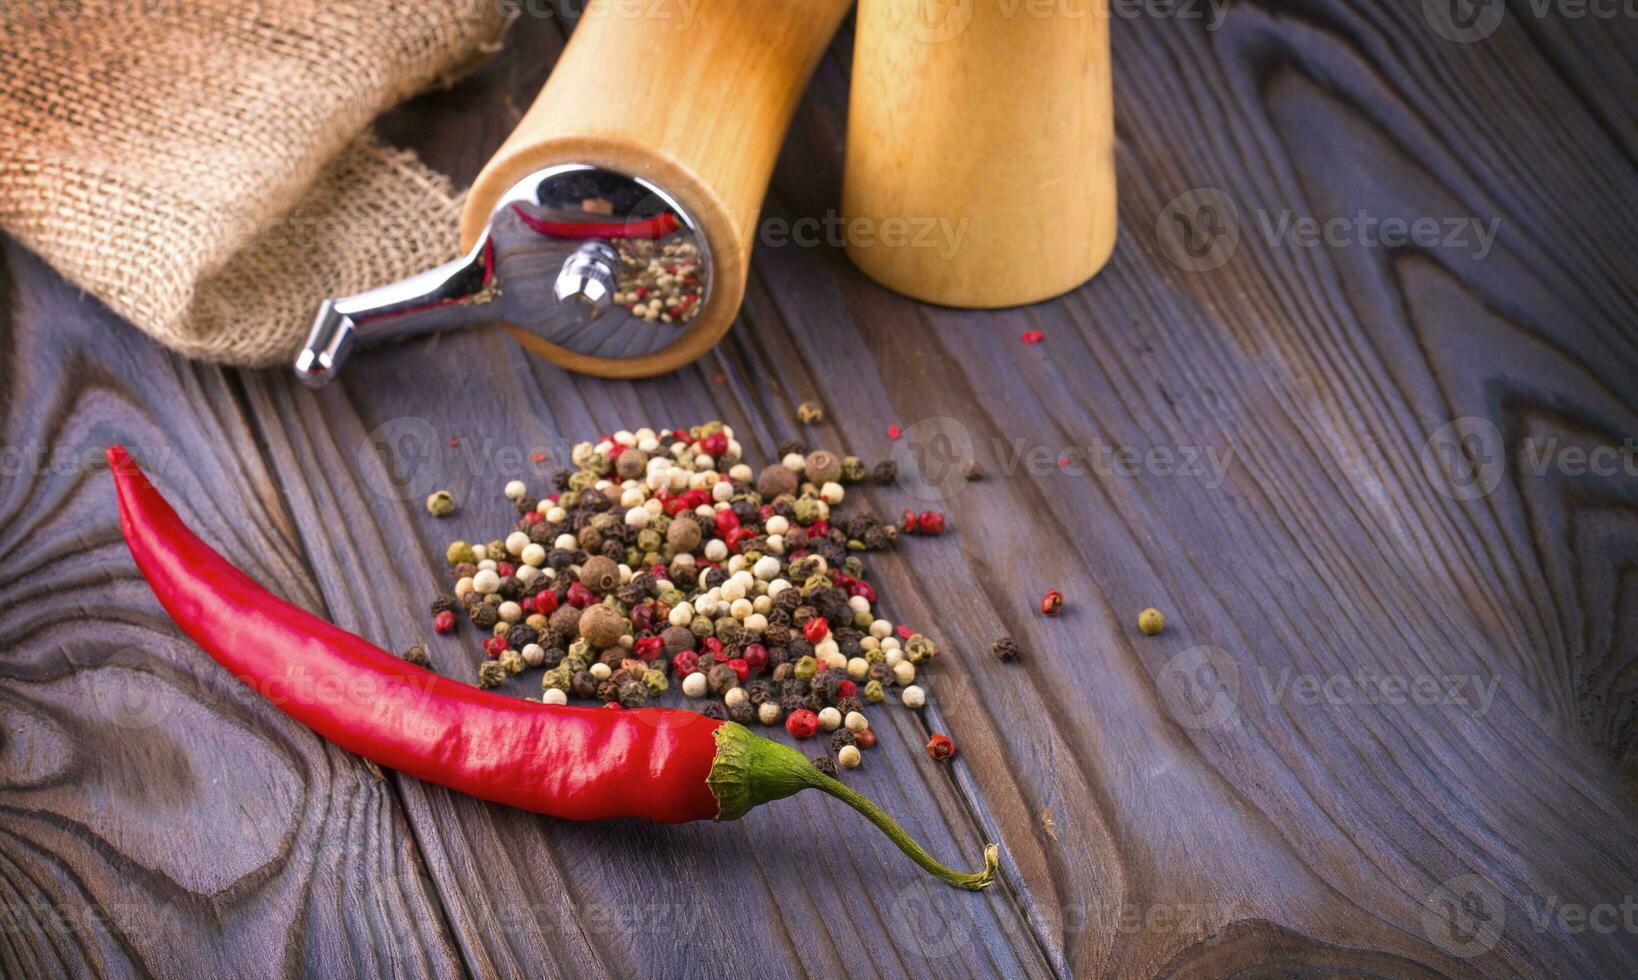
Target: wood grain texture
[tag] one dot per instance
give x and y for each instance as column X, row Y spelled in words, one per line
column 156, row 816
column 1178, row 805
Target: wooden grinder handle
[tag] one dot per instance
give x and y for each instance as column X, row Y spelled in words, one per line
column 694, row 98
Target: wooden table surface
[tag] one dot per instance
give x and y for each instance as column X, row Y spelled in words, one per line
column 1383, row 491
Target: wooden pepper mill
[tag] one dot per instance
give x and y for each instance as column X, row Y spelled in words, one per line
column 996, row 117
column 612, row 231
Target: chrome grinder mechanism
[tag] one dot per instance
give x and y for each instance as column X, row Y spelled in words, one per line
column 596, row 262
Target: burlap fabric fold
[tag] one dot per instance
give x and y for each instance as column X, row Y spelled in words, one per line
column 203, row 166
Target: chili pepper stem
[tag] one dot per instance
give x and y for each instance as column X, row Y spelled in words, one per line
column 750, row 770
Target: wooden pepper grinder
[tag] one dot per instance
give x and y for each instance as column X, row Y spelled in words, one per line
column 997, row 118
column 612, row 231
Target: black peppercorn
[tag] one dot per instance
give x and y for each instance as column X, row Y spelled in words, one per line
column 521, row 636
column 511, row 588
column 714, row 709
column 742, row 712
column 879, row 672
column 758, row 691
column 789, row 703
column 484, row 616
column 633, row 694
column 585, row 684
column 720, row 678
column 554, row 657
column 885, row 472
column 607, row 691
column 845, row 705
column 444, row 603
column 825, row 764
column 541, row 533
column 776, row 635
column 792, row 447
column 839, row 738
column 814, row 702
column 417, row 655
column 1005, row 648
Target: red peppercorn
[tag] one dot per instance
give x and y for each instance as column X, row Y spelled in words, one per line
column 580, row 597
column 642, row 617
column 756, row 658
column 802, row 723
column 727, row 521
column 815, row 629
column 712, row 644
column 819, row 528
column 685, row 663
column 495, row 646
column 532, row 517
column 893, row 432
column 904, row 631
column 930, row 522
column 741, row 669
column 847, row 689
column 675, row 506
column 715, row 444
column 907, row 523
column 649, row 647
column 940, row 748
column 864, row 738
column 545, row 602
column 1052, row 602
column 859, row 587
column 1032, row 336
column 506, row 569
column 443, row 622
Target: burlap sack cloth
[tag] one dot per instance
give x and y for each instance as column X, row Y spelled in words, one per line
column 201, row 165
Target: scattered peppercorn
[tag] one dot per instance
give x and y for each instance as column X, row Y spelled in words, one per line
column 1005, row 649
column 825, row 764
column 1150, row 621
column 974, row 470
column 417, row 654
column 940, row 748
column 443, row 622
column 441, row 503
column 810, row 413
column 1052, row 603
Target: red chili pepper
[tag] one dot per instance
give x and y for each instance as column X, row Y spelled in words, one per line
column 940, row 748
column 656, row 227
column 580, row 764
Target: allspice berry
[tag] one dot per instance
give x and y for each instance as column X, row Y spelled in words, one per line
column 775, row 480
column 600, row 574
column 601, row 626
column 677, row 639
column 683, row 535
column 566, row 621
column 631, row 464
column 822, row 466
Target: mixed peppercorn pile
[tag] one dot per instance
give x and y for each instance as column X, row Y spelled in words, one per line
column 663, row 559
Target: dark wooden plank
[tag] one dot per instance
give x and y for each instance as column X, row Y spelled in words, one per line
column 156, row 817
column 1309, row 837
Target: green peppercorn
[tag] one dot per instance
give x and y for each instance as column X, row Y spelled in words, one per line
column 806, row 668
column 491, row 674
column 656, row 681
column 873, row 692
column 853, row 469
column 1150, row 621
column 459, row 552
column 806, row 510
column 919, row 648
column 495, row 551
column 441, row 503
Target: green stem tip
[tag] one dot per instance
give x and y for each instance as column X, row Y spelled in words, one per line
column 750, row 770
